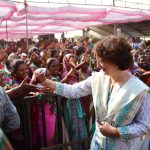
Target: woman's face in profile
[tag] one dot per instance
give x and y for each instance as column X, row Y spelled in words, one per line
column 106, row 66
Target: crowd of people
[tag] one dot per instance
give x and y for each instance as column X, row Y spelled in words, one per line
column 50, row 65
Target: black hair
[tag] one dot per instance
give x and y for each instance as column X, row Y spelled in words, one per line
column 16, row 65
column 50, row 61
column 32, row 50
column 80, row 50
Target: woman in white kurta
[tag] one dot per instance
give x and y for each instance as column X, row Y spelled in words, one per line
column 121, row 100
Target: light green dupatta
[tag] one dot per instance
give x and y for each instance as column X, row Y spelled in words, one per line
column 122, row 109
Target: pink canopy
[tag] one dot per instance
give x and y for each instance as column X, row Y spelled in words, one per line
column 19, row 21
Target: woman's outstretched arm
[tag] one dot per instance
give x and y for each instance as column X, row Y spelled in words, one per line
column 77, row 90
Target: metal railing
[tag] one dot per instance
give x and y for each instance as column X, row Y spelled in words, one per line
column 42, row 98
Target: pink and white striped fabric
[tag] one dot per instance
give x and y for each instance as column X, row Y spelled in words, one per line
column 61, row 18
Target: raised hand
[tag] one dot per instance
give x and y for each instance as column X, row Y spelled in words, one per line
column 85, row 57
column 33, row 57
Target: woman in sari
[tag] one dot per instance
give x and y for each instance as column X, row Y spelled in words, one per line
column 50, row 115
column 73, row 111
column 53, row 65
column 121, row 101
column 21, row 74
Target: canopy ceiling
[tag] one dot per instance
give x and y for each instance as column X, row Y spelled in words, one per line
column 20, row 20
column 141, row 29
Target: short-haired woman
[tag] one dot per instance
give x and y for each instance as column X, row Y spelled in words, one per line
column 121, row 100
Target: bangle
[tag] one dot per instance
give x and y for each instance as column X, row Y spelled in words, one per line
column 14, row 91
column 116, row 132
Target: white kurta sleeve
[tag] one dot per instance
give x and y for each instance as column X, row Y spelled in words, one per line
column 77, row 90
column 141, row 123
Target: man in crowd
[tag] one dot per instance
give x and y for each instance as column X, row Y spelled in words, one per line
column 9, row 118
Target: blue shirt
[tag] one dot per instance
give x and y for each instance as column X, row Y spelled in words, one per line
column 9, row 118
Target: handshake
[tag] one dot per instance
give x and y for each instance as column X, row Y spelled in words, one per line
column 38, row 77
column 29, row 87
column 32, row 86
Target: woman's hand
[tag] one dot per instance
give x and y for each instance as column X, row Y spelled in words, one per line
column 38, row 78
column 33, row 57
column 45, row 89
column 86, row 57
column 108, row 130
column 22, row 90
column 27, row 88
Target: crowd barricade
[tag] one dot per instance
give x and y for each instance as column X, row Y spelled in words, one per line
column 27, row 103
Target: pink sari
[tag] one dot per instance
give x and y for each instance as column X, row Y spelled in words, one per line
column 50, row 118
column 50, row 121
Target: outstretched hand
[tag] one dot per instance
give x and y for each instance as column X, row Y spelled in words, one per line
column 38, row 77
column 26, row 87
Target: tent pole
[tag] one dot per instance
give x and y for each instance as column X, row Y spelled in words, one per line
column 115, row 25
column 83, row 31
column 27, row 36
column 113, row 3
column 115, row 29
column 6, row 31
